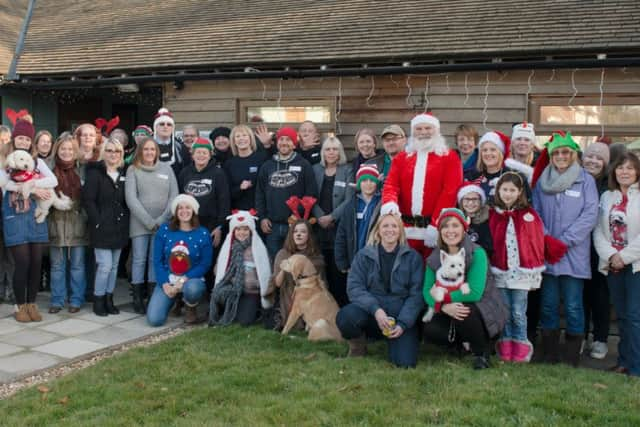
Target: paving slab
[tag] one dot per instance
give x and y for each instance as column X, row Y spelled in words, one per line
column 21, row 363
column 47, row 318
column 140, row 323
column 113, row 335
column 109, row 320
column 71, row 327
column 6, row 310
column 6, row 376
column 7, row 349
column 69, row 347
column 29, row 338
column 9, row 326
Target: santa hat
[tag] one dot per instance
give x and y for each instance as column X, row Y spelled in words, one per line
column 180, row 247
column 202, row 143
column 185, row 199
column 557, row 140
column 523, row 130
column 425, row 118
column 499, row 139
column 469, row 187
column 258, row 252
column 290, row 132
column 142, row 130
column 367, row 171
column 163, row 115
column 455, row 213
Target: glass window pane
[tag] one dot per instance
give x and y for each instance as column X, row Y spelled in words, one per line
column 613, row 115
column 289, row 114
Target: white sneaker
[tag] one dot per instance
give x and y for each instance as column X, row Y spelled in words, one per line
column 599, row 350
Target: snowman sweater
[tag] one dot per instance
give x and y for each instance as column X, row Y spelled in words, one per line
column 200, row 251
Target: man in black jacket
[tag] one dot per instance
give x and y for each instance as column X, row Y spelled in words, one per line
column 172, row 150
column 286, row 174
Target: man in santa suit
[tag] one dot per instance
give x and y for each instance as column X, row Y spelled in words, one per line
column 422, row 181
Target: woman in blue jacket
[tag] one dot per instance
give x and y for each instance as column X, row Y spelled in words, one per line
column 385, row 290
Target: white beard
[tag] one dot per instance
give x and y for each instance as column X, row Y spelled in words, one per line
column 435, row 144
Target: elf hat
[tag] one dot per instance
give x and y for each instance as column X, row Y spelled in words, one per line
column 201, row 143
column 523, row 130
column 367, row 171
column 163, row 115
column 469, row 187
column 499, row 139
column 557, row 140
column 425, row 118
column 290, row 132
column 142, row 130
column 185, row 199
column 455, row 213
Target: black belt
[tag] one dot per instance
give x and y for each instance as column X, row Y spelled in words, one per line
column 416, row 221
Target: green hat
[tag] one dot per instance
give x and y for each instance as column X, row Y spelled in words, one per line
column 367, row 171
column 201, row 143
column 561, row 139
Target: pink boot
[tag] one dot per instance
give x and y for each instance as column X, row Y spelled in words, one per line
column 521, row 351
column 504, row 348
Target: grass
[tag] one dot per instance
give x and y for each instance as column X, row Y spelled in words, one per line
column 250, row 376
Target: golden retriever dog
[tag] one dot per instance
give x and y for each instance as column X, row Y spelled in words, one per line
column 311, row 301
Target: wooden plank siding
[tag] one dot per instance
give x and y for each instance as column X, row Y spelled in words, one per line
column 213, row 103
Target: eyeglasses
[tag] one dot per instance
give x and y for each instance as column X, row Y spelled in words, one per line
column 165, row 124
column 392, row 138
column 565, row 152
column 111, row 151
column 471, row 200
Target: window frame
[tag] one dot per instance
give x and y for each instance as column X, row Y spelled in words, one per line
column 330, row 103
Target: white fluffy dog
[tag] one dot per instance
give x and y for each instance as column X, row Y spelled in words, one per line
column 22, row 175
column 449, row 277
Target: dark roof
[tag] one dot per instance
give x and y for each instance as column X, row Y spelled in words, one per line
column 70, row 36
column 12, row 13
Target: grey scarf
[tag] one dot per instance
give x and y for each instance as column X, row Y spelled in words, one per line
column 228, row 291
column 553, row 182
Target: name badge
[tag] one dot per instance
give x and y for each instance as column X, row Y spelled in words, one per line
column 360, row 215
column 164, row 155
column 253, row 169
column 315, row 154
column 572, row 193
column 340, row 184
column 295, row 169
column 206, row 181
column 161, row 176
column 122, row 178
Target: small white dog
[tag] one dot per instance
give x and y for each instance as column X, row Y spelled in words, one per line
column 449, row 277
column 22, row 179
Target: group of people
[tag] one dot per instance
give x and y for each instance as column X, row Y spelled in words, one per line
column 485, row 239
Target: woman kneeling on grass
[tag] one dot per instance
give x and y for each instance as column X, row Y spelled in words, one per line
column 476, row 316
column 384, row 289
column 182, row 254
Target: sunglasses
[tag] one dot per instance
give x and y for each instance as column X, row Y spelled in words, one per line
column 165, row 124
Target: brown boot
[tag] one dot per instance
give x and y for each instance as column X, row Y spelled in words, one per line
column 177, row 307
column 22, row 315
column 34, row 314
column 358, row 347
column 550, row 346
column 190, row 315
column 572, row 349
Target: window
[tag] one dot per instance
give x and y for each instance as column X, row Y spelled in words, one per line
column 585, row 119
column 289, row 112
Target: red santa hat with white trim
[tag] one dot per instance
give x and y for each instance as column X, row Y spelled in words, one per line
column 499, row 139
column 469, row 187
column 425, row 118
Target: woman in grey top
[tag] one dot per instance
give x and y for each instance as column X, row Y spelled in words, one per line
column 150, row 187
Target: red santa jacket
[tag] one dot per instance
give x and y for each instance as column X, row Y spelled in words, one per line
column 441, row 176
column 529, row 235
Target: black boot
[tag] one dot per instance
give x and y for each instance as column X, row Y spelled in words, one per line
column 572, row 349
column 99, row 305
column 481, row 361
column 137, row 292
column 111, row 309
column 550, row 346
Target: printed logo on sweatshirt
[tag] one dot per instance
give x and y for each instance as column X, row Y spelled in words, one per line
column 283, row 179
column 198, row 188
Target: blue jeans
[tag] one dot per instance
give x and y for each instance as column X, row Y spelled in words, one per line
column 275, row 240
column 571, row 290
column 106, row 270
column 59, row 257
column 160, row 303
column 141, row 257
column 624, row 289
column 516, row 302
column 353, row 322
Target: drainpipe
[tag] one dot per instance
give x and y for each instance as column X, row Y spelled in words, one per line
column 12, row 75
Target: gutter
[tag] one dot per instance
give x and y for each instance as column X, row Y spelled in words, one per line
column 406, row 68
column 12, row 75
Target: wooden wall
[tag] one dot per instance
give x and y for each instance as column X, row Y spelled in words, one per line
column 213, row 103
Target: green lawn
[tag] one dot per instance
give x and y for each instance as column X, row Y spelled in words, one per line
column 248, row 377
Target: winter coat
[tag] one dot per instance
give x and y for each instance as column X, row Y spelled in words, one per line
column 570, row 216
column 104, row 201
column 359, row 160
column 149, row 191
column 342, row 191
column 365, row 289
column 602, row 234
column 346, row 234
column 68, row 228
column 312, row 155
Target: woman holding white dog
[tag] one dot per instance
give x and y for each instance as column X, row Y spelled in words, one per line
column 384, row 286
column 23, row 236
column 474, row 316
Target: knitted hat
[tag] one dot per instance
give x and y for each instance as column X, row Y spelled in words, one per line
column 202, row 143
column 523, row 130
column 163, row 115
column 393, row 130
column 185, row 199
column 290, row 132
column 469, row 187
column 426, row 118
column 23, row 128
column 219, row 131
column 367, row 171
column 598, row 149
column 142, row 130
column 500, row 140
column 453, row 212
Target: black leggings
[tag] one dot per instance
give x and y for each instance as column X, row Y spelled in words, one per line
column 470, row 330
column 26, row 277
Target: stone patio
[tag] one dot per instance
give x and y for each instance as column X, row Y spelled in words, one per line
column 62, row 337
